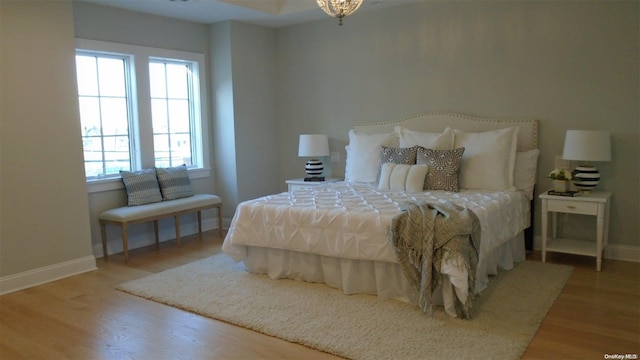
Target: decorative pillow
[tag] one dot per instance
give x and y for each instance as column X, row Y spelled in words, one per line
column 489, row 159
column 443, row 168
column 141, row 186
column 397, row 156
column 363, row 155
column 524, row 176
column 402, row 177
column 436, row 141
column 174, row 182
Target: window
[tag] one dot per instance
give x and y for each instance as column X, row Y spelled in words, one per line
column 171, row 108
column 128, row 123
column 105, row 113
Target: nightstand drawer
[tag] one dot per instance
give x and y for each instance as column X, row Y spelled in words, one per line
column 300, row 184
column 573, row 207
column 296, row 187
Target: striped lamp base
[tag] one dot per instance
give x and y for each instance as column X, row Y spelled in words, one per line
column 314, row 167
column 586, row 177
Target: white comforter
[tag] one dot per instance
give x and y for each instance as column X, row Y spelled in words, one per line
column 352, row 221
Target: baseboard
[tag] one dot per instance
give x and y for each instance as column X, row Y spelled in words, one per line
column 612, row 251
column 46, row 274
column 622, row 252
column 114, row 244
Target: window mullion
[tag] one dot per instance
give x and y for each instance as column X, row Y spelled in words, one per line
column 195, row 156
column 102, row 142
column 167, row 99
column 144, row 126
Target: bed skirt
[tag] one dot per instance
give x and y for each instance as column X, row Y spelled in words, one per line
column 383, row 279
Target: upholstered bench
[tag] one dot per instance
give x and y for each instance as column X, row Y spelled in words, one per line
column 127, row 215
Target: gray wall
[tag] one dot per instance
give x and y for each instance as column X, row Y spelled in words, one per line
column 246, row 132
column 127, row 27
column 254, row 99
column 43, row 195
column 572, row 65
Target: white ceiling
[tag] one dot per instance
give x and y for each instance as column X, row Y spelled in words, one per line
column 272, row 13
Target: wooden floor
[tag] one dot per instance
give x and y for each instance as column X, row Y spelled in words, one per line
column 84, row 317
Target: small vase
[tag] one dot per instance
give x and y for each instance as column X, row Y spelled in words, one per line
column 561, row 185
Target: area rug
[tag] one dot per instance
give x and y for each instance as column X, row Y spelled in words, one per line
column 506, row 315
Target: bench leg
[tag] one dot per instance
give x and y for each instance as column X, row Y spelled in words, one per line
column 125, row 242
column 177, row 221
column 155, row 229
column 220, row 221
column 199, row 224
column 103, row 232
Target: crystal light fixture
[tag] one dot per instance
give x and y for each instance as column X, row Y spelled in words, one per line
column 339, row 8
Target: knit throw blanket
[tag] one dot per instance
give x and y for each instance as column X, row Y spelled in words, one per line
column 426, row 234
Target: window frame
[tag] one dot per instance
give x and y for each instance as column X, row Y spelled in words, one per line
column 141, row 107
column 194, row 97
column 131, row 104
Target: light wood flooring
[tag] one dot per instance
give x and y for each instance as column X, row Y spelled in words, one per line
column 84, row 317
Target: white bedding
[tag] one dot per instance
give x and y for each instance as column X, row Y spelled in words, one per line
column 338, row 234
column 351, row 221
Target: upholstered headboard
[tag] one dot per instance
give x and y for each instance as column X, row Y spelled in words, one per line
column 437, row 122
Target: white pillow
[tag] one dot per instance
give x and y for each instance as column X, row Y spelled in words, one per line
column 363, row 155
column 402, row 177
column 435, row 141
column 489, row 159
column 524, row 176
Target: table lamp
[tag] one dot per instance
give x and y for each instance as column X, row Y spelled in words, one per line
column 587, row 146
column 314, row 146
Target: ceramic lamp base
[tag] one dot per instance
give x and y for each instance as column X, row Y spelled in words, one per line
column 586, row 177
column 314, row 168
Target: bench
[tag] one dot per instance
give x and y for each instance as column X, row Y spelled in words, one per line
column 128, row 215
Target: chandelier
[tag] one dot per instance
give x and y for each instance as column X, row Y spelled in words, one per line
column 339, row 8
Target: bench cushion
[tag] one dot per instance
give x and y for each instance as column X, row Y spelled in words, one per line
column 132, row 213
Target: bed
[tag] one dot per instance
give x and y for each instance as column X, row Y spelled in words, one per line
column 338, row 234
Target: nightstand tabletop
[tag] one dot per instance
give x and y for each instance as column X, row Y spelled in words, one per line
column 593, row 196
column 300, row 181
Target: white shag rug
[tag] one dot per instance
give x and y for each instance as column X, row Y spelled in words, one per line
column 506, row 316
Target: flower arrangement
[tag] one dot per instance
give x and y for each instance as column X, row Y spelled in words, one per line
column 560, row 174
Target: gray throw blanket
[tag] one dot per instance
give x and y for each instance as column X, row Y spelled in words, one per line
column 426, row 234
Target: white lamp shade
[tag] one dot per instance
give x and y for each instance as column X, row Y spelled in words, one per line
column 313, row 145
column 587, row 145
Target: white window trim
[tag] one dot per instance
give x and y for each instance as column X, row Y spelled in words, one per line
column 115, row 183
column 144, row 152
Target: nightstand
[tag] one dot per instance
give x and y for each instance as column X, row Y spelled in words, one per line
column 298, row 184
column 596, row 203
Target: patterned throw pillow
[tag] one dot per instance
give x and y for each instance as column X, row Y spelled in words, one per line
column 396, row 155
column 174, row 182
column 443, row 168
column 141, row 186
